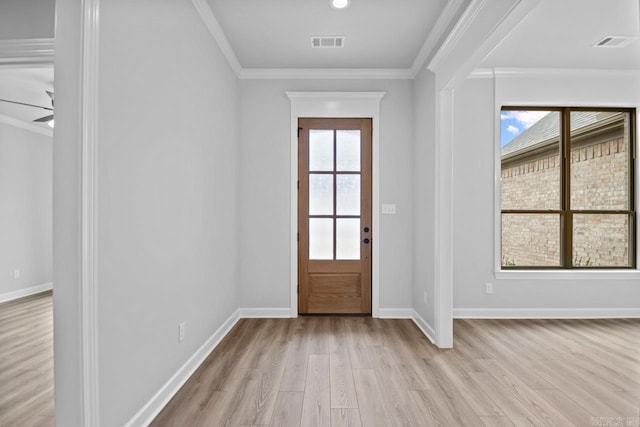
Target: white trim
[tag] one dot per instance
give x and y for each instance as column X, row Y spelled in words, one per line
column 505, row 73
column 482, row 73
column 450, row 43
column 424, row 326
column 214, row 28
column 27, row 52
column 545, row 313
column 443, row 220
column 31, row 127
column 152, row 408
column 395, row 313
column 89, row 190
column 325, row 73
column 266, row 313
column 557, row 72
column 21, row 293
column 335, row 104
column 443, row 22
column 452, row 64
column 566, row 274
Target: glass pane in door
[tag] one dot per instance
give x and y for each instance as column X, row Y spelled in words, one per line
column 348, row 150
column 348, row 194
column 320, row 238
column 320, row 150
column 320, row 194
column 348, row 238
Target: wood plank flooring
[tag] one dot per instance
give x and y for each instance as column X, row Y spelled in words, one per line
column 26, row 362
column 353, row 371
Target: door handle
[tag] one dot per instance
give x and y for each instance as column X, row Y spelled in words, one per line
column 366, row 241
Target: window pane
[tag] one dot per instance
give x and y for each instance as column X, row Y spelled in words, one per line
column 320, row 194
column 530, row 159
column 600, row 240
column 348, row 192
column 531, row 240
column 348, row 150
column 599, row 160
column 320, row 238
column 320, row 150
column 348, row 238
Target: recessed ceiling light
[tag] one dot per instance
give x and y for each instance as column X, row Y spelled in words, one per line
column 339, row 4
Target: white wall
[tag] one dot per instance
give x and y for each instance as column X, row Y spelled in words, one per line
column 167, row 196
column 424, row 194
column 477, row 105
column 25, row 209
column 265, row 188
column 26, row 19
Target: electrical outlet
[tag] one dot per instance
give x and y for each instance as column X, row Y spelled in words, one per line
column 182, row 330
column 16, row 274
column 488, row 288
column 426, row 297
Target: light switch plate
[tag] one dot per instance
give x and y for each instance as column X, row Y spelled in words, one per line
column 388, row 209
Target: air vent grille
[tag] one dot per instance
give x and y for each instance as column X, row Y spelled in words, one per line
column 327, row 41
column 615, row 41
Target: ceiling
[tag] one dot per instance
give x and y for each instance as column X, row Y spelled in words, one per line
column 561, row 34
column 380, row 34
column 26, row 85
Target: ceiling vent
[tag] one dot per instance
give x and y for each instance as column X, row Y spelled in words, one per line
column 615, row 41
column 327, row 41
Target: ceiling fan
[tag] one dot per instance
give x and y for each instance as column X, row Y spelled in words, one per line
column 48, row 119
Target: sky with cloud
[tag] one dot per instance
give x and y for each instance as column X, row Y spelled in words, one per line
column 513, row 123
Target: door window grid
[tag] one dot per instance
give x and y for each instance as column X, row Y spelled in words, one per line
column 334, row 164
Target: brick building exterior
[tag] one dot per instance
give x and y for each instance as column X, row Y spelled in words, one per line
column 530, row 179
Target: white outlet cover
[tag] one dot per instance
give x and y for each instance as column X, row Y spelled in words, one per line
column 389, row 209
column 181, row 331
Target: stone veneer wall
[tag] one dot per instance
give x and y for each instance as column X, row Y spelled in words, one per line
column 599, row 180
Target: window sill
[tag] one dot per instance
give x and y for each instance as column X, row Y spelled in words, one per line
column 567, row 274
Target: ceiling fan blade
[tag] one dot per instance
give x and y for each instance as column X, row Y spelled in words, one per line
column 28, row 105
column 44, row 119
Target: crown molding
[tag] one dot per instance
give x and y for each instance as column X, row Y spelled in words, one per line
column 490, row 73
column 27, row 52
column 460, row 28
column 214, row 28
column 324, row 73
column 25, row 125
column 582, row 72
column 442, row 24
column 482, row 73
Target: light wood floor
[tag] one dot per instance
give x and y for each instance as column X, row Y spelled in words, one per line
column 361, row 371
column 26, row 361
column 329, row 371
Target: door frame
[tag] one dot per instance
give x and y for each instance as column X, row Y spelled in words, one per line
column 333, row 105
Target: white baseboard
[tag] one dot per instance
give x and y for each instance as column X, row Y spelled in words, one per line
column 171, row 387
column 264, row 312
column 21, row 293
column 545, row 313
column 424, row 326
column 395, row 313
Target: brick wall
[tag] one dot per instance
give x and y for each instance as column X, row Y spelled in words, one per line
column 599, row 177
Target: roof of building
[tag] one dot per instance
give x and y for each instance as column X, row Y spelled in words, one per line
column 548, row 128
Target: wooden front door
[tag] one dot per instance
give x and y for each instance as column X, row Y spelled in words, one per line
column 334, row 216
